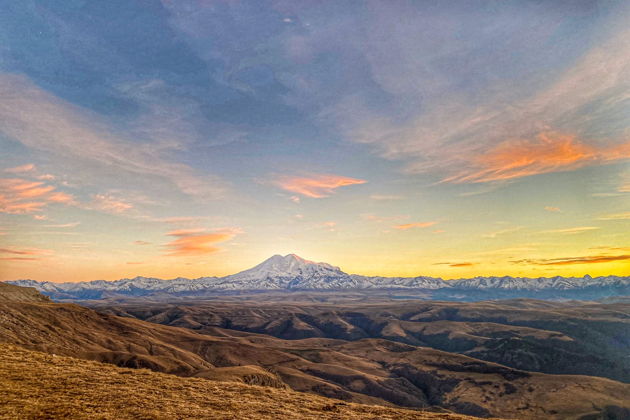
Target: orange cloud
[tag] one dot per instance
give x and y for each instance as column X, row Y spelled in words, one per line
column 317, row 186
column 193, row 242
column 553, row 209
column 548, row 152
column 20, row 196
column 141, row 243
column 414, row 225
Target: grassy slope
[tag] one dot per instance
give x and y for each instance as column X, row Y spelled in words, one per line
column 40, row 385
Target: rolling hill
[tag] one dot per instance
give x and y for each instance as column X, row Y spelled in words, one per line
column 365, row 370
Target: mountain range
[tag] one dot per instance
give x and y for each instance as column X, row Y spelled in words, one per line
column 293, row 273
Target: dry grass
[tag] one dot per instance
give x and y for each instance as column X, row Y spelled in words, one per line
column 36, row 385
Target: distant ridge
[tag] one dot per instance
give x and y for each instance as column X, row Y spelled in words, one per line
column 292, row 273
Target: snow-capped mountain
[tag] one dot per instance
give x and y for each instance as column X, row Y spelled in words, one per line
column 291, row 272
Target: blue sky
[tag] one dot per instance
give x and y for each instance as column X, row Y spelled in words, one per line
column 397, row 138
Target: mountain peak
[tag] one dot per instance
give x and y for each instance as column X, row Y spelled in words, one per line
column 289, row 266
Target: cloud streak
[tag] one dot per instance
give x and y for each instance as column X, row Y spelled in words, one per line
column 24, row 254
column 316, row 186
column 571, row 231
column 592, row 259
column 616, row 216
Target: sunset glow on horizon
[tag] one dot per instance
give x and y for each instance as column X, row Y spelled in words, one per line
column 188, row 139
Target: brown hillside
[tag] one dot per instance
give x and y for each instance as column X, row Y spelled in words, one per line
column 372, row 371
column 39, row 385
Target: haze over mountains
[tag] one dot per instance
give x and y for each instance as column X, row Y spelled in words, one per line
column 293, row 273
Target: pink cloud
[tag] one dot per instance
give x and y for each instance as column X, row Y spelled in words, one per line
column 316, row 186
column 21, row 196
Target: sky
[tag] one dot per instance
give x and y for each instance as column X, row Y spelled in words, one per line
column 195, row 137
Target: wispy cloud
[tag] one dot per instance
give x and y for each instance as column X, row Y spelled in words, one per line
column 21, row 196
column 571, row 231
column 589, row 259
column 195, row 242
column 315, row 186
column 24, row 254
column 553, row 209
column 109, row 204
column 44, row 122
column 141, row 243
column 512, row 132
column 20, row 169
column 414, row 225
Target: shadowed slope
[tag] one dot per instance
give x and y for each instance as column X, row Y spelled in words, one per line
column 550, row 337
